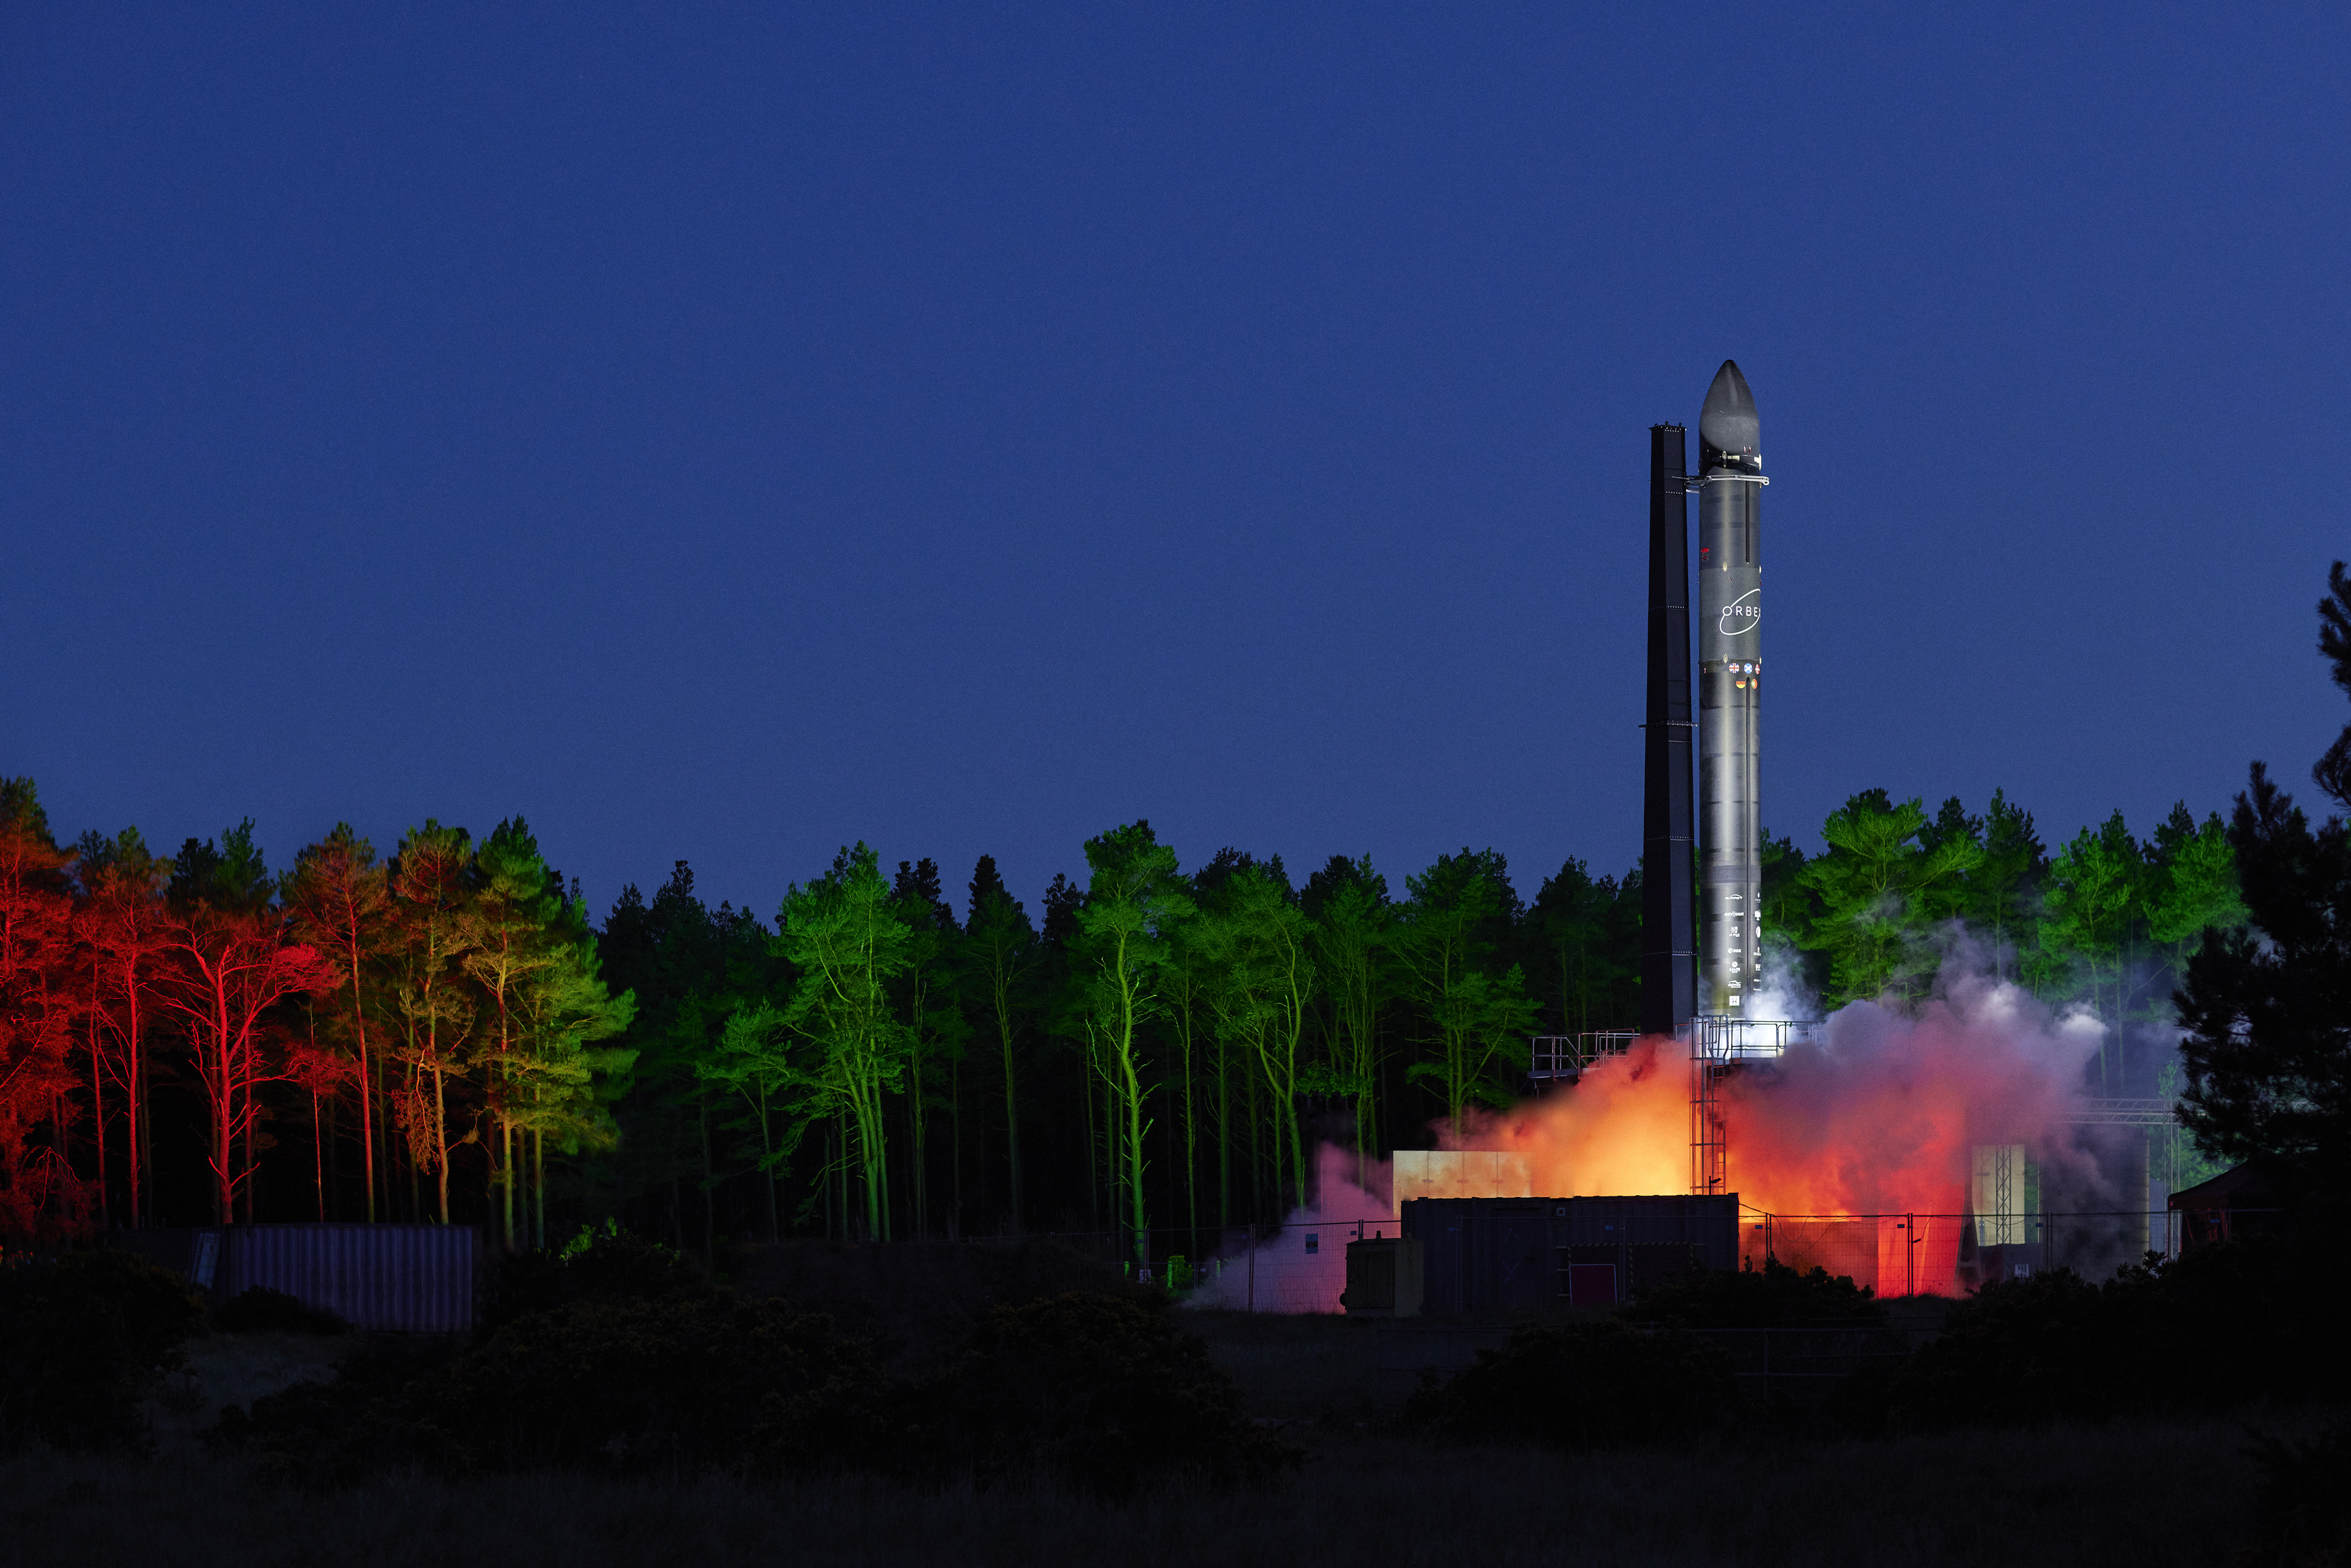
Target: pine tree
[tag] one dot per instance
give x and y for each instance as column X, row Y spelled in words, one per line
column 1001, row 948
column 846, row 936
column 431, row 888
column 1461, row 914
column 340, row 900
column 1135, row 900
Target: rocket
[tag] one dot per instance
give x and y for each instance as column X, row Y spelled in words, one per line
column 1729, row 672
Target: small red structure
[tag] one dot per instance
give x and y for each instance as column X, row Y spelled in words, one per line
column 2238, row 1202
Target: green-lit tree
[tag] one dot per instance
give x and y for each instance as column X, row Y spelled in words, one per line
column 1460, row 914
column 1353, row 928
column 1877, row 886
column 1588, row 945
column 1259, row 947
column 1000, row 951
column 936, row 1027
column 561, row 1076
column 1135, row 899
column 2004, row 889
column 2092, row 899
column 845, row 935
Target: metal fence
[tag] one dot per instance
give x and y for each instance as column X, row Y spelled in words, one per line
column 1947, row 1254
column 1300, row 1266
column 416, row 1278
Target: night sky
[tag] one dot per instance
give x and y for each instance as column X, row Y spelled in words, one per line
column 726, row 432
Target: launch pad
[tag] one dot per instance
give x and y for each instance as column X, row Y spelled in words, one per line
column 1719, row 1045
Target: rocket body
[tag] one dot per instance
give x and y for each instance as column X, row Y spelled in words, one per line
column 1729, row 682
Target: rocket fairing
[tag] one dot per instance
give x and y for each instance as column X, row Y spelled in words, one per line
column 1729, row 682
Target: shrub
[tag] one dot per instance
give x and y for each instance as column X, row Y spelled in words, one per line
column 611, row 1265
column 1755, row 1298
column 1583, row 1386
column 2302, row 1513
column 1102, row 1393
column 261, row 1309
column 81, row 1340
column 640, row 1364
column 2222, row 1327
column 706, row 1383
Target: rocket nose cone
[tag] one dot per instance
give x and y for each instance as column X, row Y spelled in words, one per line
column 1728, row 422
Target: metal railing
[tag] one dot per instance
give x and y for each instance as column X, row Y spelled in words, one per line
column 1728, row 1038
column 1718, row 1043
column 1557, row 1058
column 2121, row 1114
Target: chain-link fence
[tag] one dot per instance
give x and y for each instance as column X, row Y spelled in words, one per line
column 1300, row 1266
column 1951, row 1254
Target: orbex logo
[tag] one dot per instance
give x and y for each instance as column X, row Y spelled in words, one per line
column 1742, row 614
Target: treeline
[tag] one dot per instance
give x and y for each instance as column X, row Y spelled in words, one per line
column 2109, row 921
column 431, row 1023
column 1150, row 1049
column 443, row 1035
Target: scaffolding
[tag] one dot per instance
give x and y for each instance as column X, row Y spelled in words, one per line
column 1720, row 1043
column 1561, row 1059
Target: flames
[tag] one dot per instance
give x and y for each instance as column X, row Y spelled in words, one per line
column 1878, row 1121
column 1858, row 1149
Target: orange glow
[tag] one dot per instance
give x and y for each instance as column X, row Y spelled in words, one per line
column 1878, row 1121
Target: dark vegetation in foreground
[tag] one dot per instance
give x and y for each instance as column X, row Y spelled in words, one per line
column 625, row 1367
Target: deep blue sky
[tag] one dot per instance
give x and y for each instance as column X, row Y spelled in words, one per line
column 727, row 431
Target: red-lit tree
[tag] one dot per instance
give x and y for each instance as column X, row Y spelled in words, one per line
column 340, row 903
column 224, row 973
column 433, row 998
column 39, row 1195
column 124, row 935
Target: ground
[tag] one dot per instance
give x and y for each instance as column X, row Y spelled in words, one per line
column 2170, row 1493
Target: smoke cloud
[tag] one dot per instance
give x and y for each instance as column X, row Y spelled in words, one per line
column 1878, row 1118
column 1302, row 1268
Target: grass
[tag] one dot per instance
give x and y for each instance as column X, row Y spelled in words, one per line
column 2140, row 1495
column 2137, row 1496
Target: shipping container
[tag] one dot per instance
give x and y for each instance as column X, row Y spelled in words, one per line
column 413, row 1279
column 1526, row 1254
column 1384, row 1277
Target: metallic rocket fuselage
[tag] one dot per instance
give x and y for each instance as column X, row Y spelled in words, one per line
column 1729, row 682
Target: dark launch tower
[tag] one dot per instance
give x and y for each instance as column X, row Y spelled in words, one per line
column 1669, row 956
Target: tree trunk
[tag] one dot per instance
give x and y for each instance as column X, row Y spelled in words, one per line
column 441, row 1135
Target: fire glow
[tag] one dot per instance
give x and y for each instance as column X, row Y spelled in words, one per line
column 1880, row 1120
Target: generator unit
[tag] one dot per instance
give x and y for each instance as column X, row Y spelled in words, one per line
column 1525, row 1254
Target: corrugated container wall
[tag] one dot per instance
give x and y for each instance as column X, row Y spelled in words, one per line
column 416, row 1278
column 1523, row 1254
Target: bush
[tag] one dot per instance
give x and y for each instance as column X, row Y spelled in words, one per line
column 611, row 1265
column 2221, row 1327
column 81, row 1340
column 706, row 1383
column 1100, row 1393
column 2303, row 1514
column 1583, row 1386
column 261, row 1309
column 1755, row 1298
